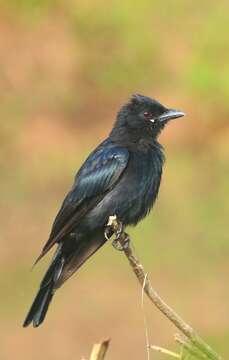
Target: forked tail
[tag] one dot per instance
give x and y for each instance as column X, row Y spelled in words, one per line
column 65, row 263
column 44, row 296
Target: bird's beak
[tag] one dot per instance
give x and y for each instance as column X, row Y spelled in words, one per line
column 170, row 114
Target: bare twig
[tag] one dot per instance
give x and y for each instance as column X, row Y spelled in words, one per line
column 165, row 351
column 142, row 277
column 99, row 350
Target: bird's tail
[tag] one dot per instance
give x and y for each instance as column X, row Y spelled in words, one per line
column 46, row 291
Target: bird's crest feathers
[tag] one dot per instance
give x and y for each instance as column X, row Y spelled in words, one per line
column 137, row 99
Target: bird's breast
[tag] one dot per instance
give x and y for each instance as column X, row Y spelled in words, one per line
column 139, row 186
column 134, row 194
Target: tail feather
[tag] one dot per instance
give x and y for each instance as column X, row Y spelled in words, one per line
column 39, row 307
column 67, row 260
column 45, row 294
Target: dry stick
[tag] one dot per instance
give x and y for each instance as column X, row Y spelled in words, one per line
column 186, row 329
column 99, row 350
column 165, row 351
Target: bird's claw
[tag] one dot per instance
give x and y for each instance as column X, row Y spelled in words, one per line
column 107, row 233
column 118, row 233
column 116, row 244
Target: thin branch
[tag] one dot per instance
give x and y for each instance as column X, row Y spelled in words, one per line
column 99, row 350
column 187, row 330
column 165, row 351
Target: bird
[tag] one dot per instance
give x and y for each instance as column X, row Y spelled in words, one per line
column 121, row 176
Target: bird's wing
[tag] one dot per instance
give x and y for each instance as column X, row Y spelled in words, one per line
column 97, row 176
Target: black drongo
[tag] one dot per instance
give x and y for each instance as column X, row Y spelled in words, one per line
column 122, row 177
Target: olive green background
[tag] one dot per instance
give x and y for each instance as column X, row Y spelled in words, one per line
column 65, row 69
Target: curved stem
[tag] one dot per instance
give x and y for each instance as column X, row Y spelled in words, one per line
column 142, row 277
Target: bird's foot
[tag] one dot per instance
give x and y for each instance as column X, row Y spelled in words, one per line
column 114, row 227
column 108, row 233
column 121, row 247
column 110, row 229
column 119, row 230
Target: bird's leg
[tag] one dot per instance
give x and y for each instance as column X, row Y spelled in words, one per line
column 121, row 241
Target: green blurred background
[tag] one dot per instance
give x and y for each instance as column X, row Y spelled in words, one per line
column 66, row 66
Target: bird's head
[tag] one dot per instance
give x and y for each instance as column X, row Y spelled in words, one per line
column 144, row 117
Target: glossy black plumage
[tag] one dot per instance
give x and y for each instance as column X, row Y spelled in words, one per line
column 122, row 177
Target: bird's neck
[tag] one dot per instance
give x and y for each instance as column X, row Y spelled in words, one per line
column 134, row 139
column 123, row 136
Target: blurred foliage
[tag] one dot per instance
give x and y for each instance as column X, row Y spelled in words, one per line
column 65, row 68
column 147, row 44
column 30, row 10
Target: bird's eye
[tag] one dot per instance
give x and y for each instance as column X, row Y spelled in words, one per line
column 147, row 114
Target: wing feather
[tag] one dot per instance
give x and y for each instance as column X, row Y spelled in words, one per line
column 97, row 176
